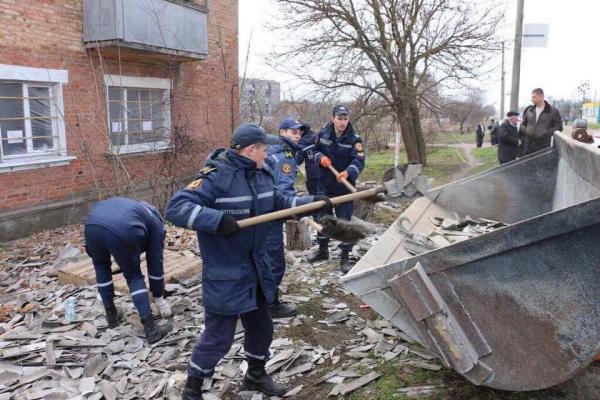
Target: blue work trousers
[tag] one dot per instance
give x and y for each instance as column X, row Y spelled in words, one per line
column 100, row 244
column 274, row 247
column 219, row 332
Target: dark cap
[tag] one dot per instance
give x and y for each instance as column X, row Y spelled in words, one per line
column 340, row 110
column 512, row 114
column 248, row 134
column 290, row 123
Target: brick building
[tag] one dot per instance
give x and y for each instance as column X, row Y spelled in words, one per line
column 104, row 97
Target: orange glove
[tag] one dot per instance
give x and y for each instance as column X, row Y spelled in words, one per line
column 343, row 175
column 325, row 162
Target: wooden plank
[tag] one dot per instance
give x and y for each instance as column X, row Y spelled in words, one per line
column 177, row 267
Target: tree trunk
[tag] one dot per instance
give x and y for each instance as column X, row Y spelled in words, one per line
column 297, row 235
column 410, row 123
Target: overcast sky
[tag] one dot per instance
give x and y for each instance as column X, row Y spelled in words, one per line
column 572, row 54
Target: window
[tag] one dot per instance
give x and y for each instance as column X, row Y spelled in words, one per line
column 138, row 114
column 32, row 128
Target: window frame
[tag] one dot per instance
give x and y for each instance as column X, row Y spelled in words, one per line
column 138, row 83
column 53, row 79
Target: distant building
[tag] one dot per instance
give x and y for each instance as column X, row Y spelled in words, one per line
column 259, row 99
column 591, row 112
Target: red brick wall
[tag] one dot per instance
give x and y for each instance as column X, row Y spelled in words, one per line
column 48, row 34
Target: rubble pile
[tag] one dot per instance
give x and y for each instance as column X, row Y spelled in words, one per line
column 43, row 356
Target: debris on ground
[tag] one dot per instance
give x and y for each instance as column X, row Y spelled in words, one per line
column 44, row 356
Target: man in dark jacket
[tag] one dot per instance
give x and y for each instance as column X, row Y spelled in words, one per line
column 339, row 145
column 124, row 229
column 306, row 154
column 540, row 121
column 479, row 133
column 508, row 138
column 493, row 128
column 236, row 278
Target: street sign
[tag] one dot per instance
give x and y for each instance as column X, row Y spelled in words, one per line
column 535, row 35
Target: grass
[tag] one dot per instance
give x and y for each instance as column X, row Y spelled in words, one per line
column 486, row 155
column 442, row 164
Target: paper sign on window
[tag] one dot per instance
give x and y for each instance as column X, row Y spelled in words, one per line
column 117, row 127
column 14, row 137
column 147, row 125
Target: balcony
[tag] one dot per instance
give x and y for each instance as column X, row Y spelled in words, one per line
column 146, row 29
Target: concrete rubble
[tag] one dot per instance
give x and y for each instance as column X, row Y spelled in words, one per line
column 333, row 347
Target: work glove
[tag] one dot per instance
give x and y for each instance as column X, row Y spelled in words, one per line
column 328, row 204
column 325, row 162
column 343, row 175
column 163, row 307
column 228, row 226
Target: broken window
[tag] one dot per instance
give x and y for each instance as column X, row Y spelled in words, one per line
column 138, row 116
column 28, row 119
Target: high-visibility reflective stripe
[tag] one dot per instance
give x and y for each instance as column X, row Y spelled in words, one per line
column 265, row 194
column 294, row 202
column 156, row 278
column 248, row 354
column 193, row 215
column 204, row 371
column 141, row 291
column 354, row 168
column 104, row 284
column 308, row 147
column 242, row 198
column 325, row 141
column 348, row 146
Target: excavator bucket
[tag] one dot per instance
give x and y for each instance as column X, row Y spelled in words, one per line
column 516, row 307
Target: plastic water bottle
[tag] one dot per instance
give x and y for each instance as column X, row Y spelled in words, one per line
column 70, row 309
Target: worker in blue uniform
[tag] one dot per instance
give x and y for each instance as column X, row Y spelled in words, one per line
column 282, row 162
column 306, row 153
column 125, row 229
column 340, row 146
column 236, row 277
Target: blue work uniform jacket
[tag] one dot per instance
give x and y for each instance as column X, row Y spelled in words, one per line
column 233, row 266
column 136, row 223
column 346, row 153
column 283, row 165
column 306, row 153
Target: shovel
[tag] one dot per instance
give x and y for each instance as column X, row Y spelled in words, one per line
column 397, row 182
column 339, row 229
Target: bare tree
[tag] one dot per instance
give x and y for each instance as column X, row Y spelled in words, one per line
column 398, row 50
column 466, row 110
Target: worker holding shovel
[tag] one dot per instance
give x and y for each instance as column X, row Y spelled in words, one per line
column 338, row 145
column 236, row 277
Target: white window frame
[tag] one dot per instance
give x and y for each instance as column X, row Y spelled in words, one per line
column 139, row 82
column 39, row 77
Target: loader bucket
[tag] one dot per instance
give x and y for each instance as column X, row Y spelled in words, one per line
column 517, row 308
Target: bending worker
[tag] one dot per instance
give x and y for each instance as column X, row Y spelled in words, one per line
column 125, row 229
column 236, row 278
column 338, row 145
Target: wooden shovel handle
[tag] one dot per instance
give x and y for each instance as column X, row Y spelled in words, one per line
column 348, row 185
column 306, row 208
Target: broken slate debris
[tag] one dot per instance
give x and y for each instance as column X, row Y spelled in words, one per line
column 44, row 356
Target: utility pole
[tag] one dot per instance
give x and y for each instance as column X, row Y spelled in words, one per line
column 516, row 72
column 502, row 94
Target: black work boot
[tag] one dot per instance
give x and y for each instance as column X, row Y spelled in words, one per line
column 114, row 315
column 345, row 262
column 192, row 389
column 155, row 332
column 282, row 310
column 256, row 379
column 321, row 254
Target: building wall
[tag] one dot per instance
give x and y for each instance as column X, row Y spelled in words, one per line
column 48, row 34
